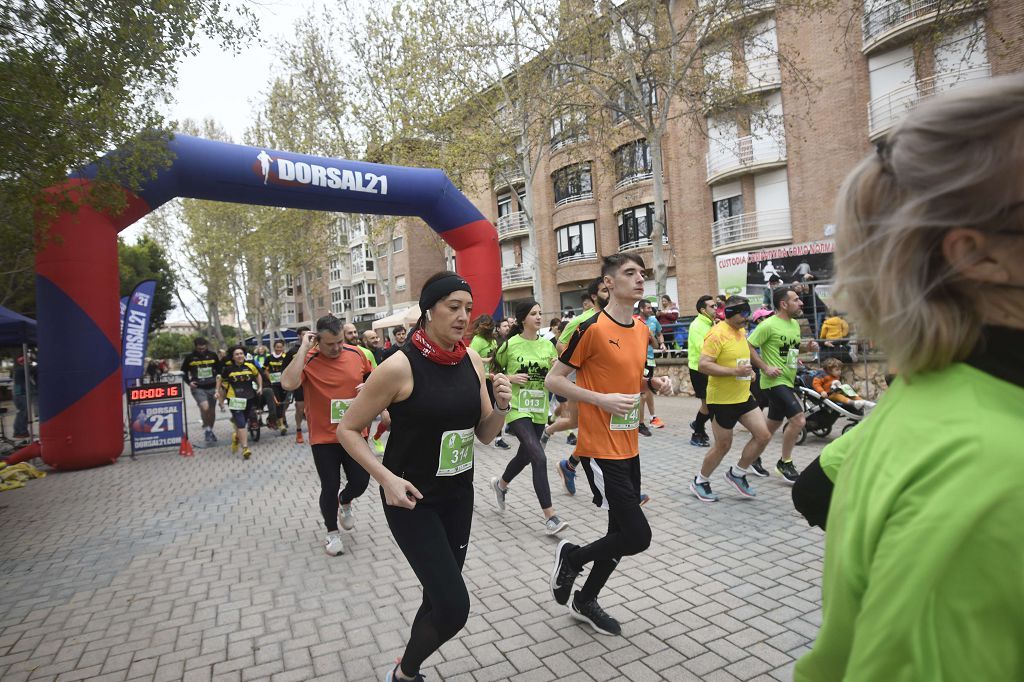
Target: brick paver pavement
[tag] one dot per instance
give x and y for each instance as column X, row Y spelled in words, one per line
column 167, row 568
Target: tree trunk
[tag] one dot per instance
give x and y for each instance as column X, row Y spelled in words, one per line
column 657, row 248
column 213, row 312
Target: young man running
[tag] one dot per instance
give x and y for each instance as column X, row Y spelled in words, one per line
column 699, row 329
column 726, row 359
column 201, row 368
column 778, row 339
column 330, row 373
column 656, row 341
column 609, row 354
column 274, row 367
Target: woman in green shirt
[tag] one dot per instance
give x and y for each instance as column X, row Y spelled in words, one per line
column 526, row 358
column 485, row 343
column 924, row 556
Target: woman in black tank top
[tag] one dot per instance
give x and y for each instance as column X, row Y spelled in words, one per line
column 434, row 391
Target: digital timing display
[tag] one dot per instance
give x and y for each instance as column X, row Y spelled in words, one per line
column 138, row 394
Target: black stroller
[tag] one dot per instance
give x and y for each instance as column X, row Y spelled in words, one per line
column 821, row 413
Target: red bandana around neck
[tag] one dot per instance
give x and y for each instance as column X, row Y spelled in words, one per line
column 435, row 354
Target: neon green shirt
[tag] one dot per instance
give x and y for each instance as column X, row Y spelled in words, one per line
column 924, row 563
column 369, row 356
column 779, row 343
column 575, row 322
column 699, row 329
column 484, row 348
column 535, row 358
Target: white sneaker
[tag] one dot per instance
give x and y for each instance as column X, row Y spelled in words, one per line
column 333, row 544
column 499, row 494
column 555, row 525
column 346, row 519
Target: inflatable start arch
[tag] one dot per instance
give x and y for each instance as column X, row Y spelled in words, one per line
column 77, row 273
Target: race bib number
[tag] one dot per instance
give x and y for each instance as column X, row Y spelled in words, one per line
column 204, row 372
column 792, row 357
column 743, row 362
column 630, row 421
column 237, row 403
column 275, row 377
column 339, row 406
column 533, row 401
column 456, row 454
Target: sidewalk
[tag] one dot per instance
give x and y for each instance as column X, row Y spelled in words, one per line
column 169, row 568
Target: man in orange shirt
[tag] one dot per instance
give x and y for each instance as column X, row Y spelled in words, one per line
column 609, row 354
column 331, row 373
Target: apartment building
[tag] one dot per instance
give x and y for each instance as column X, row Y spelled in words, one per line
column 743, row 182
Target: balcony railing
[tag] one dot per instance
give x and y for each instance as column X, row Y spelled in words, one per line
column 763, row 73
column 633, row 179
column 571, row 258
column 513, row 225
column 573, row 198
column 515, row 275
column 885, row 111
column 557, row 144
column 744, row 152
column 717, row 13
column 641, row 243
column 750, row 229
column 889, row 17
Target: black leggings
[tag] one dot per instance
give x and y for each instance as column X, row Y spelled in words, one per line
column 281, row 396
column 530, row 452
column 329, row 459
column 434, row 538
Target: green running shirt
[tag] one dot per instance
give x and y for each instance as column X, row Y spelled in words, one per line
column 535, row 358
column 779, row 343
column 575, row 322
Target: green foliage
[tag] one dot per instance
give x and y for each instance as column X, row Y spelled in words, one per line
column 77, row 80
column 146, row 259
column 168, row 345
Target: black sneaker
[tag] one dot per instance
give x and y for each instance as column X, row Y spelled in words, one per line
column 591, row 612
column 571, row 439
column 562, row 575
column 644, row 431
column 758, row 469
column 502, row 445
column 787, row 470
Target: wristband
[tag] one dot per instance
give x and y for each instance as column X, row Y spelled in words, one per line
column 501, row 411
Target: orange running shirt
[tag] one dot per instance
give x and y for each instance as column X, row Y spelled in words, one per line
column 609, row 358
column 327, row 381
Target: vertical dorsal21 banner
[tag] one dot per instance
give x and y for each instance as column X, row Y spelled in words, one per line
column 135, row 330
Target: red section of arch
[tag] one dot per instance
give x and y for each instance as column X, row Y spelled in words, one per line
column 477, row 245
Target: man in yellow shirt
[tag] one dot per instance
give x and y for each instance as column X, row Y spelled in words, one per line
column 726, row 359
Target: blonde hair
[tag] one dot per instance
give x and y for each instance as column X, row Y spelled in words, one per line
column 954, row 161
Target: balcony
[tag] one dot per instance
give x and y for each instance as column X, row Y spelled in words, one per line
column 744, row 155
column 884, row 112
column 513, row 225
column 642, row 243
column 574, row 198
column 516, row 276
column 895, row 18
column 633, row 179
column 559, row 143
column 763, row 73
column 720, row 13
column 576, row 257
column 750, row 230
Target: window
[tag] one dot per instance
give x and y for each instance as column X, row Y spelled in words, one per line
column 568, row 127
column 576, row 241
column 361, row 261
column 572, row 183
column 366, row 295
column 632, row 161
column 626, row 102
column 521, row 197
column 761, row 54
column 400, row 283
column 397, row 244
column 730, row 207
column 288, row 288
column 335, row 275
column 288, row 313
column 635, row 226
column 504, row 205
column 346, row 297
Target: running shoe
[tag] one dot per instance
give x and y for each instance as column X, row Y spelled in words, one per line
column 644, row 499
column 568, row 476
column 208, row 436
column 703, row 491
column 700, row 440
column 234, row 442
column 298, row 437
column 378, row 446
column 555, row 525
column 333, row 544
column 562, row 575
column 740, row 483
column 571, row 439
column 502, row 445
column 758, row 468
column 544, row 437
column 591, row 612
column 499, row 494
column 392, row 676
column 657, row 423
column 213, row 435
column 346, row 519
column 787, row 470
column 644, row 431
column 284, row 430
column 246, row 453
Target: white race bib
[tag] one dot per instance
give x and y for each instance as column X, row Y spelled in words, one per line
column 743, row 362
column 792, row 358
column 237, row 403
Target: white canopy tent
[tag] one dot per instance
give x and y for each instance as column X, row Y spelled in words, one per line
column 402, row 318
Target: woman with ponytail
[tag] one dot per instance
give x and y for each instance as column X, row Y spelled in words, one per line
column 485, row 342
column 526, row 358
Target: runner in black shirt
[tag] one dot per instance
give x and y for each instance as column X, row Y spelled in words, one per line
column 240, row 382
column 274, row 367
column 297, row 395
column 201, row 368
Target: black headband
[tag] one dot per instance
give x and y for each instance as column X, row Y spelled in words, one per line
column 439, row 288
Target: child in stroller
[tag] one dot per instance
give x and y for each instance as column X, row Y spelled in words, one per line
column 822, row 406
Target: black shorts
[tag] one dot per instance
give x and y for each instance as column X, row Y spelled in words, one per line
column 614, row 482
column 241, row 418
column 700, row 384
column 560, row 398
column 782, row 402
column 298, row 396
column 726, row 416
